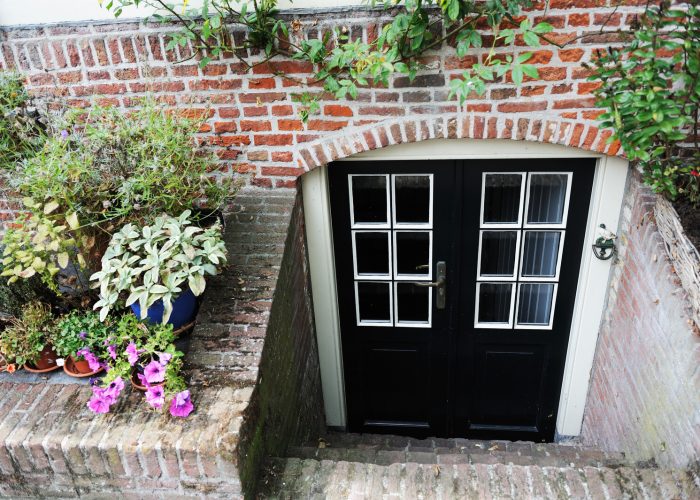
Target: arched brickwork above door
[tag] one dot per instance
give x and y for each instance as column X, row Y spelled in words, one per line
column 551, row 130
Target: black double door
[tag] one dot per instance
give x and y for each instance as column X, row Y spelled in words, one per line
column 456, row 285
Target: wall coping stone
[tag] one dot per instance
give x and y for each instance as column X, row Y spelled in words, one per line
column 684, row 257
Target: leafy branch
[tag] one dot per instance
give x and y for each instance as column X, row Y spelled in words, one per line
column 344, row 64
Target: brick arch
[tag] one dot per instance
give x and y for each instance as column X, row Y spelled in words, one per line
column 582, row 134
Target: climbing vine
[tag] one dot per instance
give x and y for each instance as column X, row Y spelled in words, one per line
column 344, row 63
column 650, row 89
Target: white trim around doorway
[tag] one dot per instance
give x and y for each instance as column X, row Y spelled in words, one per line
column 606, row 202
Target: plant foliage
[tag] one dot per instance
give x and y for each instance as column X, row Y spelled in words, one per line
column 158, row 262
column 21, row 128
column 651, row 91
column 344, row 64
column 26, row 337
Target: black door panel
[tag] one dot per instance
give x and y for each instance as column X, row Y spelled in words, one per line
column 489, row 363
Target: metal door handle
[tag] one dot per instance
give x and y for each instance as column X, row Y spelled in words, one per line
column 438, row 284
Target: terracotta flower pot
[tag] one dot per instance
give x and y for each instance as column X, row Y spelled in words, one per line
column 136, row 383
column 78, row 369
column 45, row 363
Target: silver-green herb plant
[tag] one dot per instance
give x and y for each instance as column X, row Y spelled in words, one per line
column 158, row 262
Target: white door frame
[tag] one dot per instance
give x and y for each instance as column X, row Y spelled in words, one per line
column 606, row 202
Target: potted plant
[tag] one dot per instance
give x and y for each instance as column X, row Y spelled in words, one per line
column 83, row 341
column 146, row 355
column 27, row 340
column 160, row 268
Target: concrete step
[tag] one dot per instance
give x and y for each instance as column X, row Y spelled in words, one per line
column 296, row 478
column 387, row 449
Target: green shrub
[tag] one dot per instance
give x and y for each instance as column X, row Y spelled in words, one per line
column 26, row 337
column 21, row 130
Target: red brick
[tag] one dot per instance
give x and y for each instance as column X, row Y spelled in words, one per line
column 261, row 83
column 98, row 75
column 274, row 140
column 540, row 57
column 382, row 111
column 255, row 111
column 521, row 107
column 286, row 67
column 126, row 74
column 571, row 55
column 281, row 171
column 282, row 156
column 255, row 125
column 326, row 125
column 262, row 97
column 579, row 20
column 185, row 70
column 214, row 69
column 282, row 110
column 69, row 77
column 574, row 103
column 337, row 110
column 222, row 127
column 290, row 125
column 229, row 112
column 588, row 87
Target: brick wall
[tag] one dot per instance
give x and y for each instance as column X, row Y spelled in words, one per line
column 287, row 405
column 253, row 123
column 645, row 385
column 251, row 365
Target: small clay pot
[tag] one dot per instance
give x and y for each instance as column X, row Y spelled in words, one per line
column 136, row 383
column 45, row 363
column 79, row 368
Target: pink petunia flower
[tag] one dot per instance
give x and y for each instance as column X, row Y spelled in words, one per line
column 154, row 372
column 112, row 349
column 164, row 358
column 92, row 360
column 132, row 353
column 181, row 405
column 155, row 396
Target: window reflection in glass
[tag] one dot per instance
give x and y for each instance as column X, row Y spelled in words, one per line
column 372, row 252
column 547, row 198
column 540, row 253
column 412, row 303
column 412, row 199
column 412, row 252
column 502, row 198
column 498, row 251
column 369, row 199
column 535, row 303
column 374, row 301
column 494, row 302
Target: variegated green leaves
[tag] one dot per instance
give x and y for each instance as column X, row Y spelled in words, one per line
column 158, row 262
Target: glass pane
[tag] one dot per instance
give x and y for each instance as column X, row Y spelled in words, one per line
column 540, row 253
column 412, row 253
column 374, row 301
column 372, row 252
column 547, row 196
column 412, row 198
column 369, row 199
column 498, row 249
column 494, row 302
column 502, row 198
column 413, row 302
column 535, row 303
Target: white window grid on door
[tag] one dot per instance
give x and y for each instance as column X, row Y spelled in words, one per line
column 522, row 227
column 391, row 228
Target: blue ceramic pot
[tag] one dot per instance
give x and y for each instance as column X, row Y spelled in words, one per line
column 184, row 309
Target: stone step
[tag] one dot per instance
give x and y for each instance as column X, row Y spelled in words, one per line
column 296, row 478
column 387, row 449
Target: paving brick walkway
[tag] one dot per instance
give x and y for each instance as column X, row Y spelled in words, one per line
column 380, row 467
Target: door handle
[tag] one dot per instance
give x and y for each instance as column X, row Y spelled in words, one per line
column 438, row 284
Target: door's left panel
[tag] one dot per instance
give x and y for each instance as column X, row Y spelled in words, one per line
column 390, row 227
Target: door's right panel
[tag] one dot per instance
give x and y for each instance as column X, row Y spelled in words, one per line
column 523, row 224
